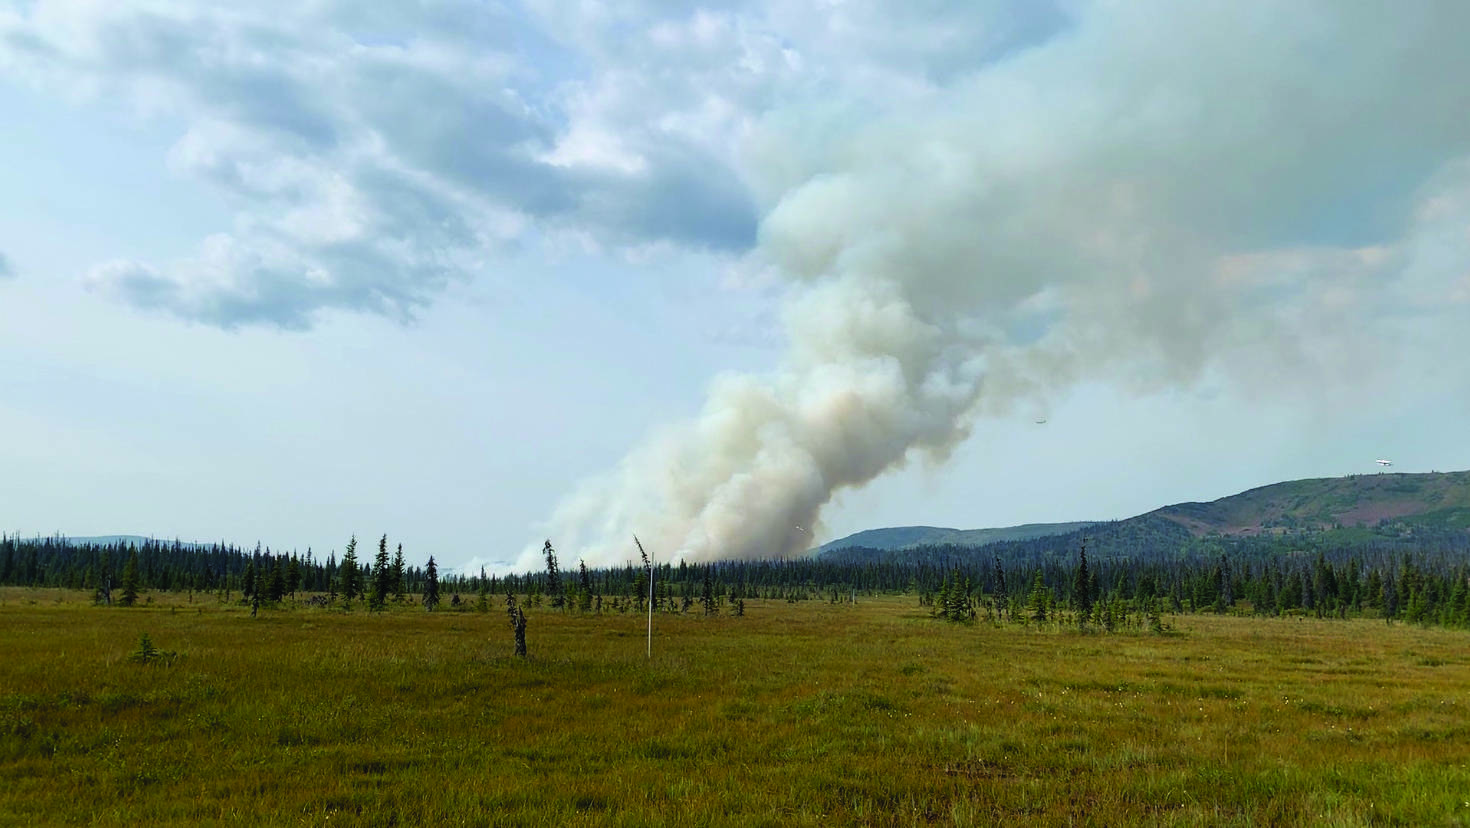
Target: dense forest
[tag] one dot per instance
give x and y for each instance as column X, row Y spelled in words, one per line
column 1395, row 570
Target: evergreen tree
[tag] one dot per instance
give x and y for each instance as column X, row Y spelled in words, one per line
column 640, row 589
column 953, row 601
column 1390, row 600
column 293, row 576
column 1374, row 589
column 1224, row 593
column 382, row 577
column 130, row 579
column 553, row 577
column 1082, row 584
column 276, row 584
column 707, row 592
column 431, row 586
column 398, row 574
column 1155, row 618
column 1040, row 597
column 1352, row 586
column 104, row 581
column 351, row 583
column 584, row 588
column 248, row 581
column 519, row 625
column 1290, row 595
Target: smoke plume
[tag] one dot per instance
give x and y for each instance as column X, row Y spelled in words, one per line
column 1143, row 199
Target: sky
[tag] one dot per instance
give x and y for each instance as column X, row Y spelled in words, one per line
column 738, row 278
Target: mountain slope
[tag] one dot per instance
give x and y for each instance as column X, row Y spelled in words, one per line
column 1413, row 506
column 903, row 537
column 1440, row 499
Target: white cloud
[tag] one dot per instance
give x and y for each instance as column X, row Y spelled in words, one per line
column 387, row 147
column 373, row 157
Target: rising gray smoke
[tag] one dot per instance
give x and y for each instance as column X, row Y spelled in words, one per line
column 1160, row 194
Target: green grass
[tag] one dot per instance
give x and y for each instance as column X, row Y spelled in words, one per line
column 797, row 714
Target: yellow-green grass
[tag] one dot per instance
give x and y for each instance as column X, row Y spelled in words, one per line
column 797, row 714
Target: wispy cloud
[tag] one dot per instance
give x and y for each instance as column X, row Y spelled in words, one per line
column 371, row 158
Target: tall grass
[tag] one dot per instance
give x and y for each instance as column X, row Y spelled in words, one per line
column 797, row 714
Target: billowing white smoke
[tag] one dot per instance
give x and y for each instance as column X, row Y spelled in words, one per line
column 1103, row 204
column 866, row 381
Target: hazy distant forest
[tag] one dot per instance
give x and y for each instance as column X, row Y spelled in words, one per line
column 1109, row 573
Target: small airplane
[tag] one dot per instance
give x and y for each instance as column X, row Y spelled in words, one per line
column 1383, row 462
column 1041, row 421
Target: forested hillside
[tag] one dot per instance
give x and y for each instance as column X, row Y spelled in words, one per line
column 1437, row 499
column 904, row 537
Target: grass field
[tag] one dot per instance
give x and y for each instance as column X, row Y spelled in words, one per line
column 797, row 714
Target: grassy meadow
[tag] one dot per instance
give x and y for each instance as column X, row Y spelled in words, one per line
column 796, row 714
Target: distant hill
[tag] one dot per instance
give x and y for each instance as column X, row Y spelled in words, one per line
column 110, row 540
column 904, row 537
column 1339, row 511
column 1438, row 499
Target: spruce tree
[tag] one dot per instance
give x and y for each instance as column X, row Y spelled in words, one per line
column 1374, row 589
column 940, row 607
column 351, row 585
column 1155, row 618
column 553, row 577
column 382, row 577
column 130, row 579
column 1082, row 584
column 519, row 625
column 293, row 576
column 248, row 581
column 276, row 584
column 707, row 592
column 104, row 580
column 640, row 589
column 1040, row 596
column 584, row 588
column 398, row 573
column 431, row 586
column 965, row 606
column 999, row 576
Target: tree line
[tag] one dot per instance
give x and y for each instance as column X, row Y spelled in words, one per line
column 1392, row 571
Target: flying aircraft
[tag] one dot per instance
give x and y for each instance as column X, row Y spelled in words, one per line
column 1041, row 421
column 1383, row 462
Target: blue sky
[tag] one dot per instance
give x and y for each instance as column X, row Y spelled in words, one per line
column 740, row 278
